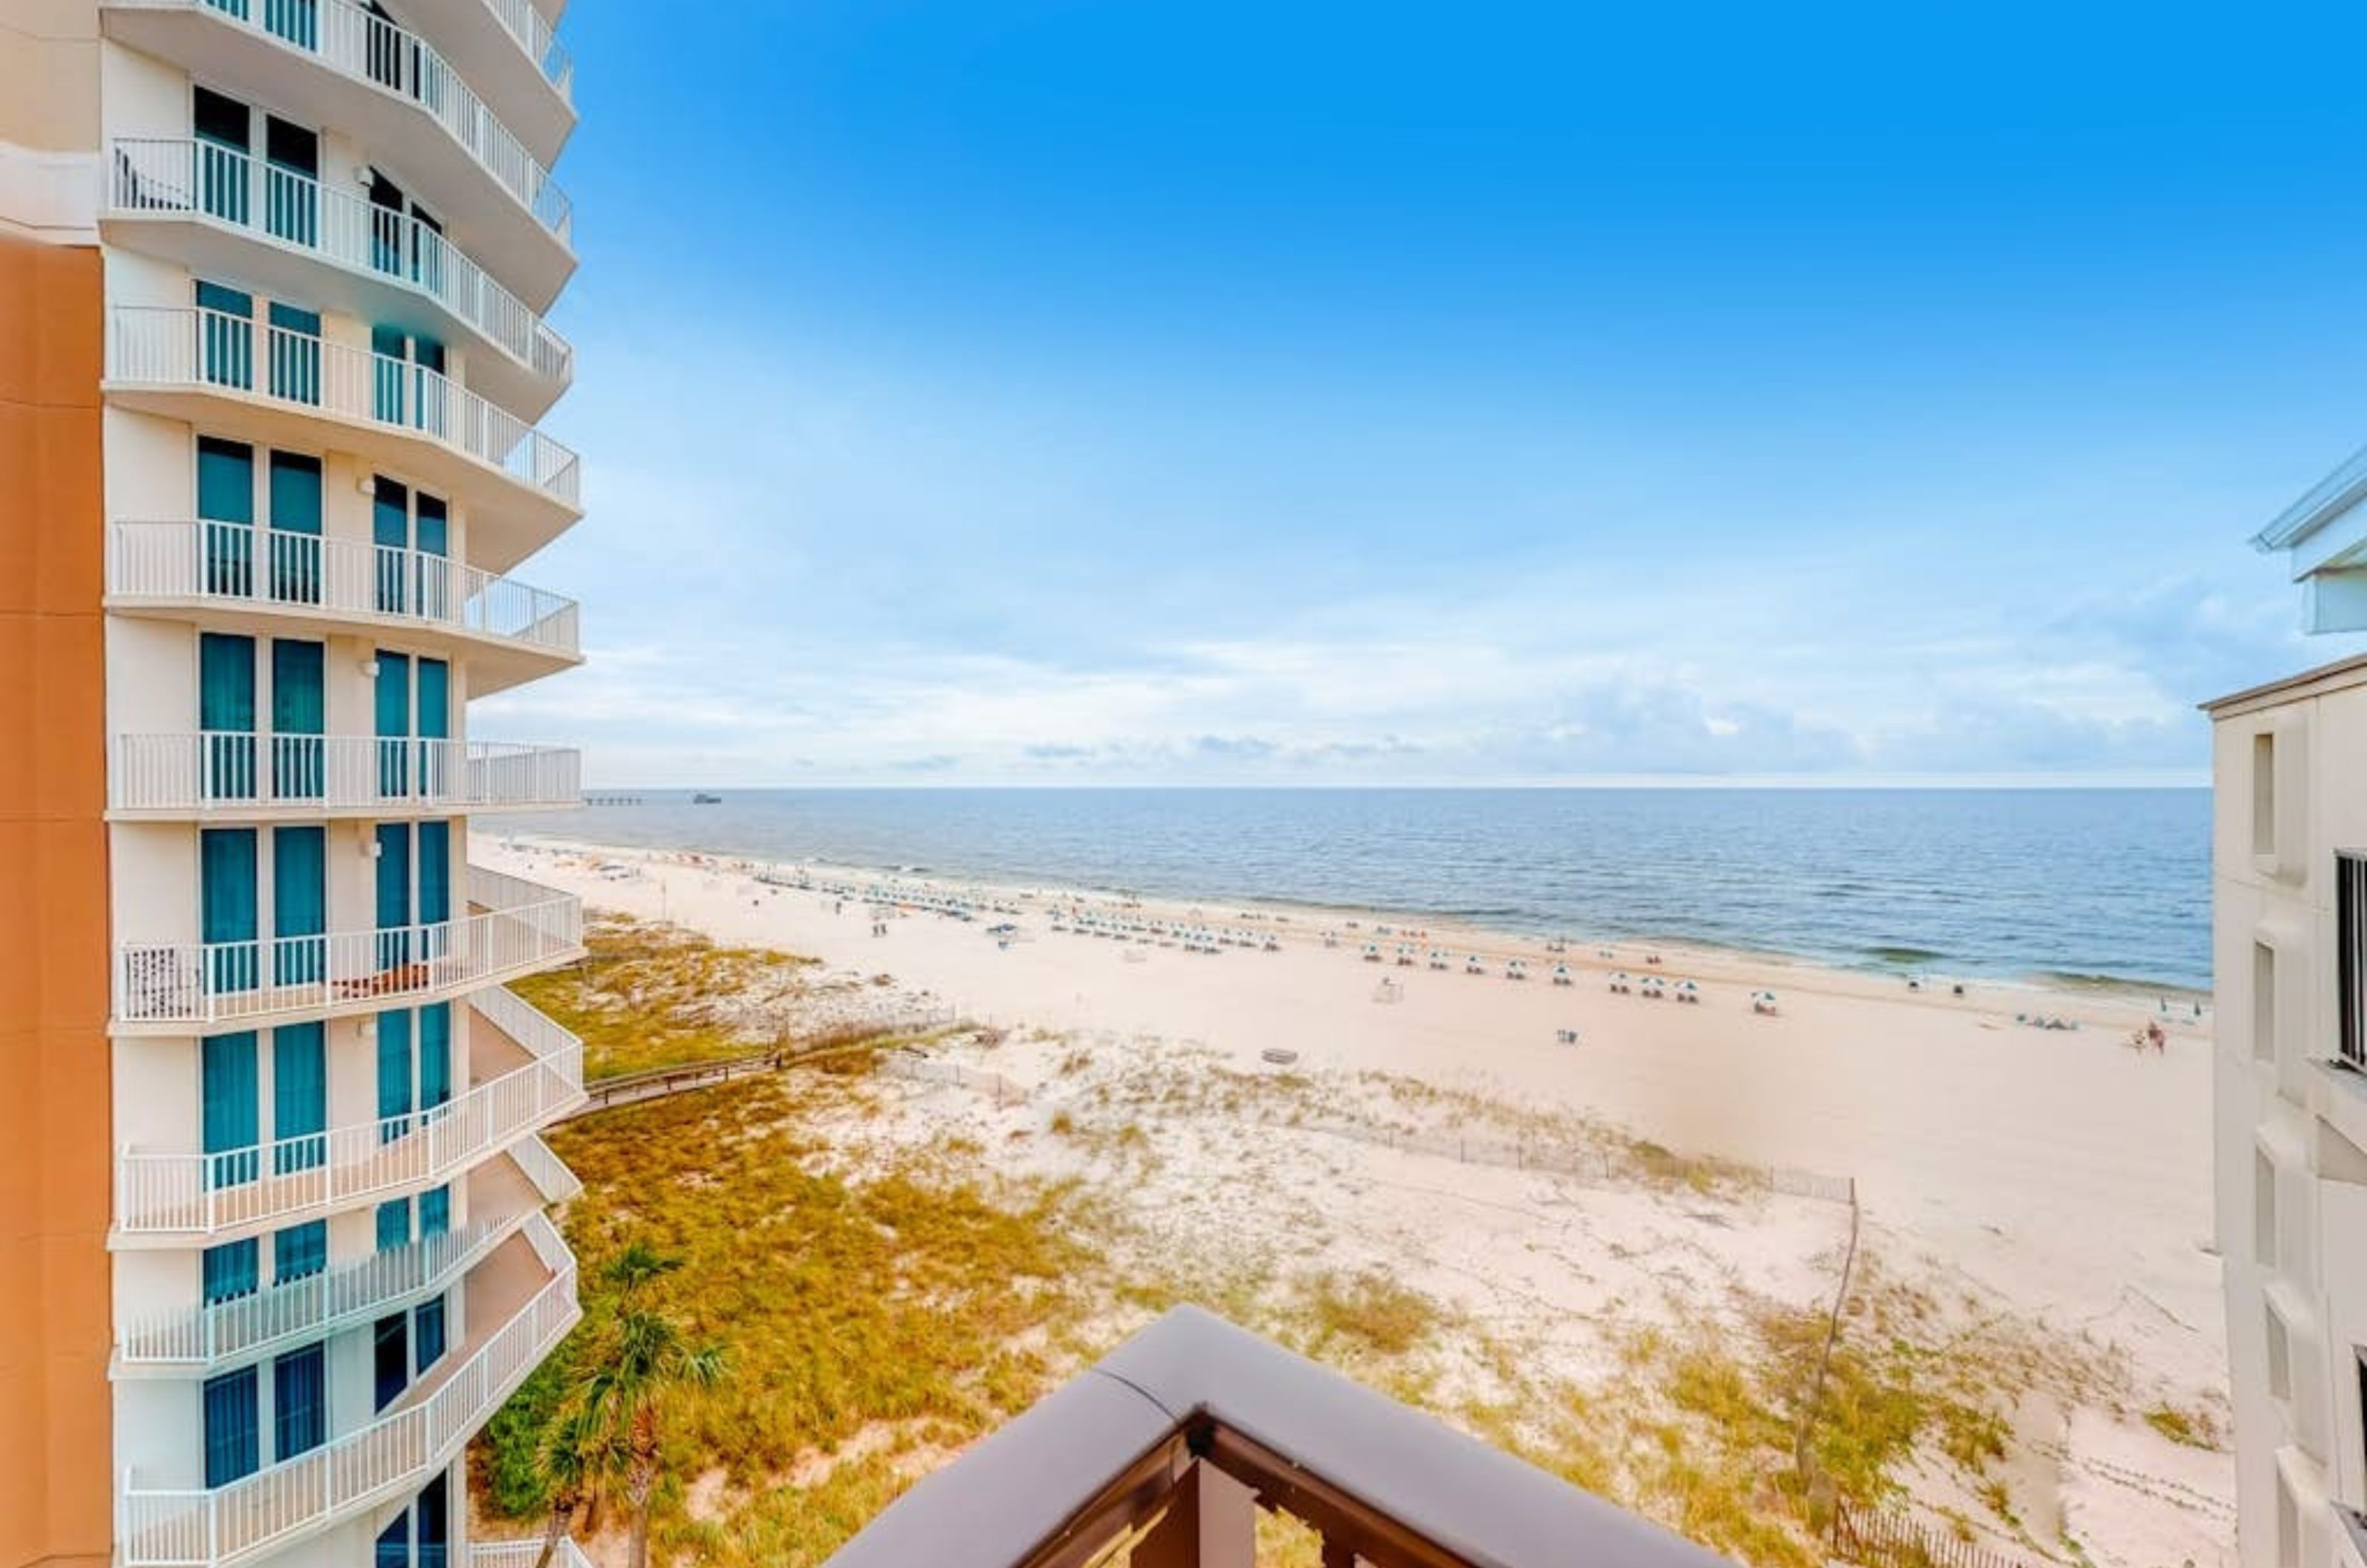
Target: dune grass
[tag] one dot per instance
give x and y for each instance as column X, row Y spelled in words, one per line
column 656, row 996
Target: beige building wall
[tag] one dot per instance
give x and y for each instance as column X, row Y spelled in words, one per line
column 2290, row 1118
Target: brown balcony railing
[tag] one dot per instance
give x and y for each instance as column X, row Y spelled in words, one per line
column 1161, row 1454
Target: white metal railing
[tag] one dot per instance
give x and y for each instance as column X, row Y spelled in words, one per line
column 490, row 889
column 201, row 179
column 237, row 563
column 206, row 983
column 348, row 38
column 190, row 1526
column 546, row 1170
column 525, row 1553
column 180, row 1194
column 216, row 771
column 178, row 346
column 271, row 1318
column 532, row 31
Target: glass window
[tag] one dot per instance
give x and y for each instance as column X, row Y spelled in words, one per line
column 300, row 1251
column 232, row 1448
column 299, row 1403
column 394, row 1223
column 228, row 1271
column 229, row 1114
column 435, row 1211
column 300, row 1097
column 391, row 1358
column 427, row 1334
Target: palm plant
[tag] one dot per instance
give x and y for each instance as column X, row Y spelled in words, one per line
column 637, row 1368
column 573, row 1456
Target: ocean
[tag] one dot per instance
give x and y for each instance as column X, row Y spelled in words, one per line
column 2083, row 885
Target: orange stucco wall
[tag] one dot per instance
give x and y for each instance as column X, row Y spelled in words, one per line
column 55, row 1494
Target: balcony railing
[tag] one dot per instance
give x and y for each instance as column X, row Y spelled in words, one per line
column 178, row 1194
column 349, row 40
column 221, row 773
column 525, row 1553
column 524, row 23
column 1173, row 1443
column 149, row 177
column 236, row 563
column 208, row 984
column 194, row 1528
column 304, row 1310
column 177, row 348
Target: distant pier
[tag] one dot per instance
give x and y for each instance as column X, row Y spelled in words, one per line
column 593, row 797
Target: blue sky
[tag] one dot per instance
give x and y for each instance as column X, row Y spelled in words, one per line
column 982, row 392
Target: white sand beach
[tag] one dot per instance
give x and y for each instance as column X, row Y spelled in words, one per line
column 2061, row 1174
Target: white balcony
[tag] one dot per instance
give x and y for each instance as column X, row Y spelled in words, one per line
column 225, row 575
column 502, row 1200
column 508, row 51
column 188, row 987
column 238, row 775
column 181, row 1197
column 331, row 63
column 525, row 1553
column 166, row 1525
column 222, row 213
column 253, row 380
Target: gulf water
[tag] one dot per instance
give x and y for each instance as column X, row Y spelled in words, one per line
column 2108, row 884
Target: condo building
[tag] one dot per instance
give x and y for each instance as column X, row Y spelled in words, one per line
column 273, row 356
column 2289, row 856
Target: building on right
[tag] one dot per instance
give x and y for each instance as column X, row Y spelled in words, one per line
column 2289, row 896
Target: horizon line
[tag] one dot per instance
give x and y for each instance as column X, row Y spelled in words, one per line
column 1997, row 782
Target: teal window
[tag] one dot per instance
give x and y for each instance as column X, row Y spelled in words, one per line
column 291, row 187
column 295, row 528
column 224, row 171
column 232, row 1450
column 225, row 336
column 226, row 509
column 427, row 1334
column 294, row 339
column 436, row 1212
column 300, row 1097
column 299, row 1403
column 229, row 1114
column 394, row 715
column 226, row 877
column 389, row 1358
column 395, row 946
column 390, row 375
column 434, row 1063
column 226, row 715
column 434, row 873
column 228, row 1271
column 390, row 530
column 394, row 1075
column 299, row 904
column 393, row 1222
column 299, row 718
column 300, row 1251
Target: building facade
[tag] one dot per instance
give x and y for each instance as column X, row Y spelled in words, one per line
column 2289, row 856
column 273, row 275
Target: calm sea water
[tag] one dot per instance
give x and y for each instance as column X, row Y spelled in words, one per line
column 2105, row 884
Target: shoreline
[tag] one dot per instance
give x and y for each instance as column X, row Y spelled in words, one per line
column 1462, row 931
